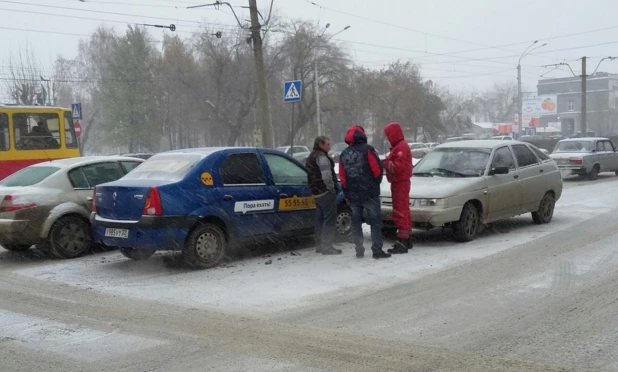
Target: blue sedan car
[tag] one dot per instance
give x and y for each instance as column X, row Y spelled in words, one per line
column 203, row 201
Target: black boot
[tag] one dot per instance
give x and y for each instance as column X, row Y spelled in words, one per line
column 380, row 254
column 401, row 246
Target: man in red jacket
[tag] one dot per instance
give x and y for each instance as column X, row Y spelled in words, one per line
column 398, row 167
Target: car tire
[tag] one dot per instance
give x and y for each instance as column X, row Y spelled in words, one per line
column 16, row 247
column 594, row 173
column 137, row 254
column 467, row 227
column 389, row 232
column 344, row 221
column 616, row 172
column 69, row 237
column 545, row 212
column 206, row 246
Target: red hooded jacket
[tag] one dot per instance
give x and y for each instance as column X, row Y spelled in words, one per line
column 398, row 164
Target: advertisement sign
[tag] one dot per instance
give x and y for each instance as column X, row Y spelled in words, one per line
column 544, row 105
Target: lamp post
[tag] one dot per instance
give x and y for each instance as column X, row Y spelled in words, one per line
column 316, row 78
column 526, row 52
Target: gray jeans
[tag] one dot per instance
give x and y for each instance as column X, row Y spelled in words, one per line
column 326, row 221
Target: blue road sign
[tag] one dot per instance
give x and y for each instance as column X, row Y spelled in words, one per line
column 76, row 111
column 292, row 91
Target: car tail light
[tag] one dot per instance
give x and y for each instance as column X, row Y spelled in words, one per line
column 153, row 206
column 12, row 203
column 576, row 161
column 94, row 200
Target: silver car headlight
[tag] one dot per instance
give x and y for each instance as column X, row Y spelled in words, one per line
column 439, row 203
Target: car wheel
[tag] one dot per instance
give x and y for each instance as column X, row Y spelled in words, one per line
column 344, row 221
column 69, row 237
column 389, row 232
column 594, row 173
column 546, row 210
column 616, row 173
column 468, row 225
column 137, row 254
column 16, row 247
column 206, row 246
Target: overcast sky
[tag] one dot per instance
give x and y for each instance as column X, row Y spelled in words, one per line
column 458, row 43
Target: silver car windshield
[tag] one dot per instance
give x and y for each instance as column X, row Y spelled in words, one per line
column 573, row 146
column 453, row 162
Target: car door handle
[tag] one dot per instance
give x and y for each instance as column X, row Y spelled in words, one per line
column 541, row 170
column 89, row 198
column 228, row 197
column 283, row 195
column 516, row 176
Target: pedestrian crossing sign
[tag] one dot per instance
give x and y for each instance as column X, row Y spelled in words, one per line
column 292, row 91
column 76, row 111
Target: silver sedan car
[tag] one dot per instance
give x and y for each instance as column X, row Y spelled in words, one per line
column 50, row 203
column 586, row 157
column 468, row 183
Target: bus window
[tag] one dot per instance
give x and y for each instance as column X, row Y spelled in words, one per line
column 69, row 131
column 36, row 131
column 5, row 145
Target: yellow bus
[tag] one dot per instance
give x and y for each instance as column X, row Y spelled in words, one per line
column 34, row 134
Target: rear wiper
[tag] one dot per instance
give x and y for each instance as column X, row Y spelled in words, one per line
column 448, row 171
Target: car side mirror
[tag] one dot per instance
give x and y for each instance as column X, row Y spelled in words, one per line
column 499, row 170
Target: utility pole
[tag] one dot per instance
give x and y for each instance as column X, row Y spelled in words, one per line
column 317, row 95
column 520, row 103
column 584, row 128
column 263, row 106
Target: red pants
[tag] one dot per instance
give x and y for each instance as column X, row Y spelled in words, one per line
column 400, row 192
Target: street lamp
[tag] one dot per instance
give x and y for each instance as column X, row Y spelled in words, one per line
column 48, row 92
column 526, row 52
column 316, row 77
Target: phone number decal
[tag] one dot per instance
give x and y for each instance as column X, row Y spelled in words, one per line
column 290, row 204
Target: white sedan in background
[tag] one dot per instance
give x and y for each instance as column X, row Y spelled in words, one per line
column 50, row 203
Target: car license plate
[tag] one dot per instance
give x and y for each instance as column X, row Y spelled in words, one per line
column 295, row 203
column 117, row 233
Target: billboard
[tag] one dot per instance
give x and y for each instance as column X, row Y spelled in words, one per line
column 545, row 105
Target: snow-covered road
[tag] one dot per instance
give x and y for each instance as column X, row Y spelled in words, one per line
column 251, row 287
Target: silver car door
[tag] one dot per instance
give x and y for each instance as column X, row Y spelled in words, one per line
column 504, row 190
column 531, row 177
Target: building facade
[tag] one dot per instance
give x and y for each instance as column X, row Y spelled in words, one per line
column 602, row 104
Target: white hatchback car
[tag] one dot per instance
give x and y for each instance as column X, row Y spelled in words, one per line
column 50, row 203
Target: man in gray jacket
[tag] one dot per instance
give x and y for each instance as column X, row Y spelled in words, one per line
column 323, row 183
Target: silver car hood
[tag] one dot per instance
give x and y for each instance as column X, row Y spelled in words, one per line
column 567, row 155
column 438, row 187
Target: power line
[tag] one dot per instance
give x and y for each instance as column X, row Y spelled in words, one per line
column 104, row 12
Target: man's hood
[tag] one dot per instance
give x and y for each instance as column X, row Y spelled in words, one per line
column 356, row 135
column 394, row 133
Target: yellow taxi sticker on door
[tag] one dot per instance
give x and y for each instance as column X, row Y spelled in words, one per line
column 207, row 179
column 296, row 203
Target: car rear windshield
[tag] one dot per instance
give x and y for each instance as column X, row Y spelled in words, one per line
column 172, row 167
column 29, row 176
column 573, row 146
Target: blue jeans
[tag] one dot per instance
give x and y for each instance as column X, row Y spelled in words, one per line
column 372, row 206
column 326, row 221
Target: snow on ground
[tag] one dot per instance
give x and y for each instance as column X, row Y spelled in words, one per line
column 74, row 341
column 251, row 287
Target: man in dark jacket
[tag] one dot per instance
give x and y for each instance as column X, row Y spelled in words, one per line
column 323, row 183
column 398, row 167
column 360, row 172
